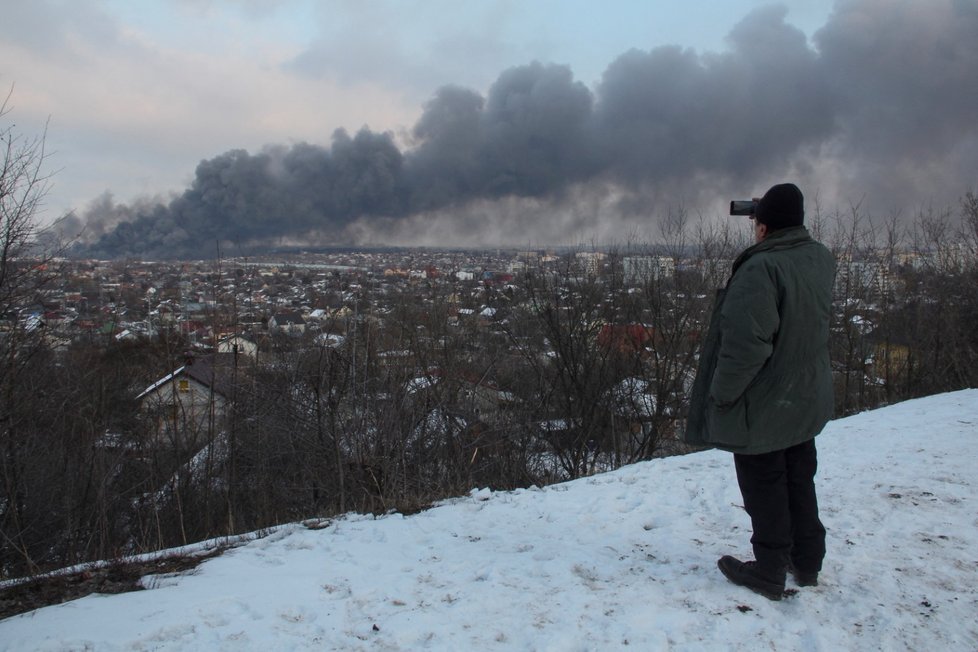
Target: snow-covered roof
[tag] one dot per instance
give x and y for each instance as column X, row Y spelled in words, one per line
column 160, row 383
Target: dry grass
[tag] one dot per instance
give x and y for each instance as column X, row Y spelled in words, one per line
column 117, row 577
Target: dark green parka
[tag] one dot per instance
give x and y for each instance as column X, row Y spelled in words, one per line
column 764, row 381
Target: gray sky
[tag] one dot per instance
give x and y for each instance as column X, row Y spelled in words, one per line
column 647, row 104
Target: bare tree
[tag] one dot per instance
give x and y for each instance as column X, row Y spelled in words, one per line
column 23, row 186
column 25, row 268
column 941, row 308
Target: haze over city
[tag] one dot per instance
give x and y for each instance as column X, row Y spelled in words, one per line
column 483, row 123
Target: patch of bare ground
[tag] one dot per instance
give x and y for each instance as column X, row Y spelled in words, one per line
column 115, row 577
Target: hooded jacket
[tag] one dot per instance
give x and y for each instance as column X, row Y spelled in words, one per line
column 764, row 381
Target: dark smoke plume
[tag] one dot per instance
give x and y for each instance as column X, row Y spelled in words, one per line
column 881, row 110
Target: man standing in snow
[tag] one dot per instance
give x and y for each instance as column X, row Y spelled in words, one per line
column 763, row 390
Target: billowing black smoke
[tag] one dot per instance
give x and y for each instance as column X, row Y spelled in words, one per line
column 243, row 199
column 882, row 109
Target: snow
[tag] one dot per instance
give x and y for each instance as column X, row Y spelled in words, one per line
column 160, row 383
column 621, row 560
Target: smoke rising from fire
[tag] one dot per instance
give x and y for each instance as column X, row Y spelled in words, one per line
column 878, row 109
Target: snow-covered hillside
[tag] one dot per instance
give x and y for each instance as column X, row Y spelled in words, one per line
column 623, row 560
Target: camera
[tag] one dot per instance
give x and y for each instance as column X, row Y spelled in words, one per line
column 743, row 207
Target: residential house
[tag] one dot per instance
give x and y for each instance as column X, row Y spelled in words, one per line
column 464, row 394
column 626, row 339
column 240, row 345
column 287, row 322
column 189, row 404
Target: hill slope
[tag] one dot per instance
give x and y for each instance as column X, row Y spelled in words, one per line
column 620, row 560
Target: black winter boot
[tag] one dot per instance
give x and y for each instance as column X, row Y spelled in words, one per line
column 804, row 578
column 768, row 583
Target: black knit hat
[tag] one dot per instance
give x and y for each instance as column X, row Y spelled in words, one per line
column 780, row 207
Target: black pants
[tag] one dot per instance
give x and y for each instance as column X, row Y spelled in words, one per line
column 779, row 496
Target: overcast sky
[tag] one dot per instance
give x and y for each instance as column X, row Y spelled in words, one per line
column 139, row 92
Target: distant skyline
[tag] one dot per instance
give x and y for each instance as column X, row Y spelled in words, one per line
column 137, row 93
